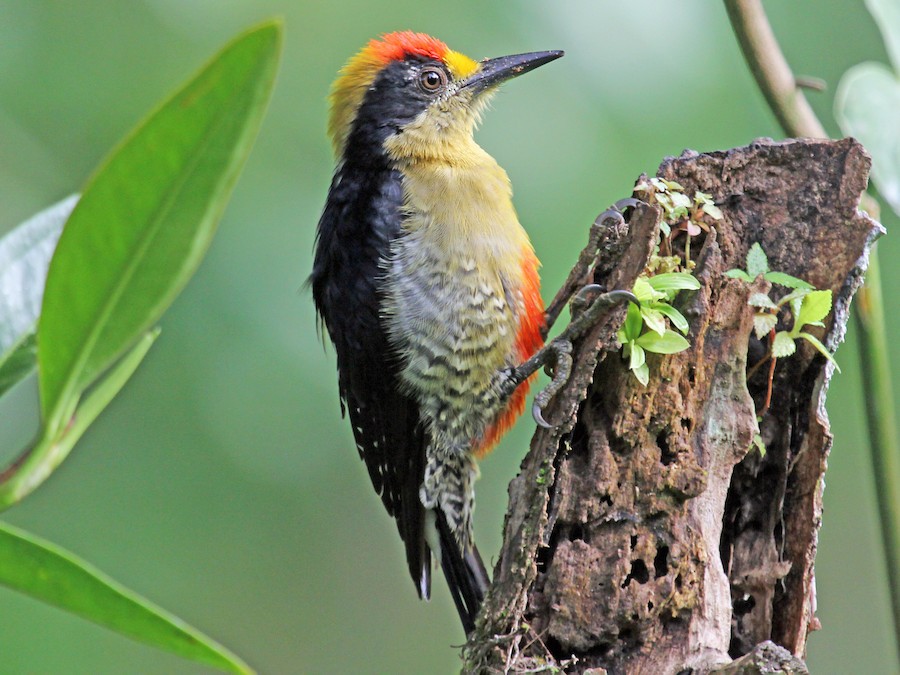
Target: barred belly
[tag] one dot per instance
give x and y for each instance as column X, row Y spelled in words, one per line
column 451, row 316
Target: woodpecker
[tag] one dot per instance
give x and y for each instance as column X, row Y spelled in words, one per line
column 428, row 287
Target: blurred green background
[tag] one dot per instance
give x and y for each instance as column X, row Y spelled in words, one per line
column 223, row 483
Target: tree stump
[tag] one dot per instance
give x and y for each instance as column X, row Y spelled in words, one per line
column 645, row 533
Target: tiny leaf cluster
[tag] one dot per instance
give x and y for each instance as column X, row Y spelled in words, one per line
column 808, row 307
column 649, row 324
column 646, row 325
column 681, row 214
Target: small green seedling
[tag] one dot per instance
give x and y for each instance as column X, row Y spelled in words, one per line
column 808, row 307
column 646, row 327
column 680, row 213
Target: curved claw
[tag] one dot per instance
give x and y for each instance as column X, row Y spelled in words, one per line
column 623, row 204
column 582, row 298
column 537, row 412
column 585, row 296
column 586, row 290
column 623, row 296
column 613, row 215
column 616, row 211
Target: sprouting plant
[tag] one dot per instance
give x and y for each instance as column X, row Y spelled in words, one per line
column 681, row 213
column 808, row 307
column 646, row 325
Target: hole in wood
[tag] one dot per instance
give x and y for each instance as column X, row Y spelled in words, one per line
column 661, row 561
column 638, row 572
column 744, row 605
column 666, row 455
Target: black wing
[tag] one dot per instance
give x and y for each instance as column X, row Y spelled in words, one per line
column 361, row 218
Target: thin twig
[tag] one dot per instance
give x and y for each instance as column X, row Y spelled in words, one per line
column 771, row 70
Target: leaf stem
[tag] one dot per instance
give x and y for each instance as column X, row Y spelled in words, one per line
column 787, row 101
column 40, row 459
column 756, row 366
column 877, row 382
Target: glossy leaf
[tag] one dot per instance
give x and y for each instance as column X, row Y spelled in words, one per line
column 673, row 315
column 664, row 184
column 681, row 200
column 653, row 319
column 815, row 307
column 866, row 106
column 669, row 342
column 713, row 211
column 761, row 300
column 642, row 373
column 55, row 576
column 763, row 324
column 634, row 324
column 637, row 357
column 644, row 292
column 815, row 342
column 738, row 274
column 673, row 281
column 147, row 217
column 25, row 254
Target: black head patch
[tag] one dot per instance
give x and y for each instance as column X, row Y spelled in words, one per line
column 399, row 94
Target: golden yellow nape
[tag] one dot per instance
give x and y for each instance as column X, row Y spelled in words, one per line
column 355, row 78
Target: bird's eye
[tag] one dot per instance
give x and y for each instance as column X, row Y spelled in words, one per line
column 432, row 79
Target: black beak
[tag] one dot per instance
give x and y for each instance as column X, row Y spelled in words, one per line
column 495, row 71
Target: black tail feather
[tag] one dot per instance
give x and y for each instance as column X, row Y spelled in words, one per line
column 466, row 574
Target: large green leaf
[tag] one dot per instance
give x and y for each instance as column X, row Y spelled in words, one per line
column 25, row 254
column 51, row 574
column 887, row 15
column 147, row 217
column 867, row 106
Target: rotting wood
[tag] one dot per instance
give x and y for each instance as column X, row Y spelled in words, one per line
column 643, row 535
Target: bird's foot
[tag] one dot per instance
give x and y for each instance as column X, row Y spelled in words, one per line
column 589, row 302
column 609, row 225
column 561, row 349
column 556, row 355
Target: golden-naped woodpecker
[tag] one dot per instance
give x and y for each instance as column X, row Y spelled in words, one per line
column 428, row 287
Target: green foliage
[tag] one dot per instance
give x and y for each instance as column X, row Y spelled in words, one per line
column 808, row 307
column 135, row 237
column 24, row 257
column 57, row 577
column 680, row 213
column 759, row 445
column 146, row 219
column 867, row 102
column 646, row 327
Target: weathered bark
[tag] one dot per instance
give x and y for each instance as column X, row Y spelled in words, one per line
column 643, row 534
